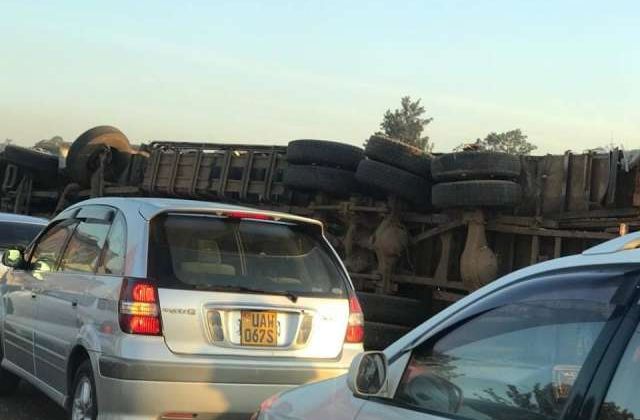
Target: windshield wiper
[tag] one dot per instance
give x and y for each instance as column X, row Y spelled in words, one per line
column 243, row 289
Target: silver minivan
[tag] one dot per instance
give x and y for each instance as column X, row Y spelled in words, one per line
column 170, row 309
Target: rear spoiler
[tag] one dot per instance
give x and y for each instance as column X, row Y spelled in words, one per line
column 238, row 213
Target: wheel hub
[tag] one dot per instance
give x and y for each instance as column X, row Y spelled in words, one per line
column 82, row 408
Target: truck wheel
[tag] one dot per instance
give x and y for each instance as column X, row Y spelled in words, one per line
column 320, row 178
column 379, row 336
column 8, row 380
column 475, row 165
column 393, row 309
column 324, row 152
column 83, row 154
column 398, row 154
column 489, row 193
column 394, row 181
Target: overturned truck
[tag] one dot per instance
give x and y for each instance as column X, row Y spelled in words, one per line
column 415, row 231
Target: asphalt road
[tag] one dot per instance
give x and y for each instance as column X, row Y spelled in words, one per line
column 29, row 404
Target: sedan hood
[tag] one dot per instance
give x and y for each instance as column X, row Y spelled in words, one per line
column 330, row 399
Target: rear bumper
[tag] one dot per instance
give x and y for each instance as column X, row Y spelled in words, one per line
column 147, row 390
column 147, row 400
column 229, row 373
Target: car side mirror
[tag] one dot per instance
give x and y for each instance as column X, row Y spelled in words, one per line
column 367, row 375
column 14, row 258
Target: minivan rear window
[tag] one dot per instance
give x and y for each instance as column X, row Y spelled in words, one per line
column 206, row 252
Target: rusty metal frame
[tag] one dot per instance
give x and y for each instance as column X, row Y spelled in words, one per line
column 273, row 159
column 224, row 174
column 174, row 172
column 196, row 173
column 10, row 177
column 613, row 177
column 23, row 195
column 156, row 157
column 438, row 230
column 246, row 176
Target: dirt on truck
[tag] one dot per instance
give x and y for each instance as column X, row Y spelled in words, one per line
column 416, row 231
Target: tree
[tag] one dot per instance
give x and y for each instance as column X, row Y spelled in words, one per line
column 513, row 142
column 406, row 124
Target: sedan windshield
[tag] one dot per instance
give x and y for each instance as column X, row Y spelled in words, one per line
column 17, row 234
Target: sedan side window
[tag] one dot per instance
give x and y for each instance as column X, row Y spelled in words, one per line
column 85, row 246
column 516, row 359
column 621, row 402
column 47, row 251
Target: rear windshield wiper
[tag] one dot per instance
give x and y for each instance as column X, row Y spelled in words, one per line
column 243, row 289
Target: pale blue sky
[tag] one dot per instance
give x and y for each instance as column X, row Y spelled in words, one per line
column 566, row 72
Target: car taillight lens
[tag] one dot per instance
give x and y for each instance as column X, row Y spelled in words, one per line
column 355, row 328
column 139, row 308
column 247, row 215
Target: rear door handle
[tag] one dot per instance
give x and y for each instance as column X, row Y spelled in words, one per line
column 74, row 303
column 33, row 296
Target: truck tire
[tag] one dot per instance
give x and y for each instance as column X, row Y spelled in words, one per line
column 32, row 160
column 395, row 181
column 333, row 181
column 379, row 336
column 490, row 193
column 324, row 152
column 398, row 154
column 82, row 156
column 393, row 309
column 475, row 165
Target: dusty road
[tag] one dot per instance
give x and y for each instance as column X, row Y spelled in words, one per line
column 29, row 404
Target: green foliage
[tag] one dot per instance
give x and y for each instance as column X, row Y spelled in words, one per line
column 513, row 142
column 406, row 124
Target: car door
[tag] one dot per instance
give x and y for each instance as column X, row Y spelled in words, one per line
column 22, row 288
column 64, row 292
column 527, row 351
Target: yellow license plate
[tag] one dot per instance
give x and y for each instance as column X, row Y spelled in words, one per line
column 259, row 328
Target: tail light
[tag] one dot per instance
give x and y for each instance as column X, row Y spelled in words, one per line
column 247, row 215
column 355, row 328
column 139, row 308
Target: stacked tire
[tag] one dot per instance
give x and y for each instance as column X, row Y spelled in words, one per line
column 387, row 318
column 396, row 168
column 476, row 179
column 322, row 165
